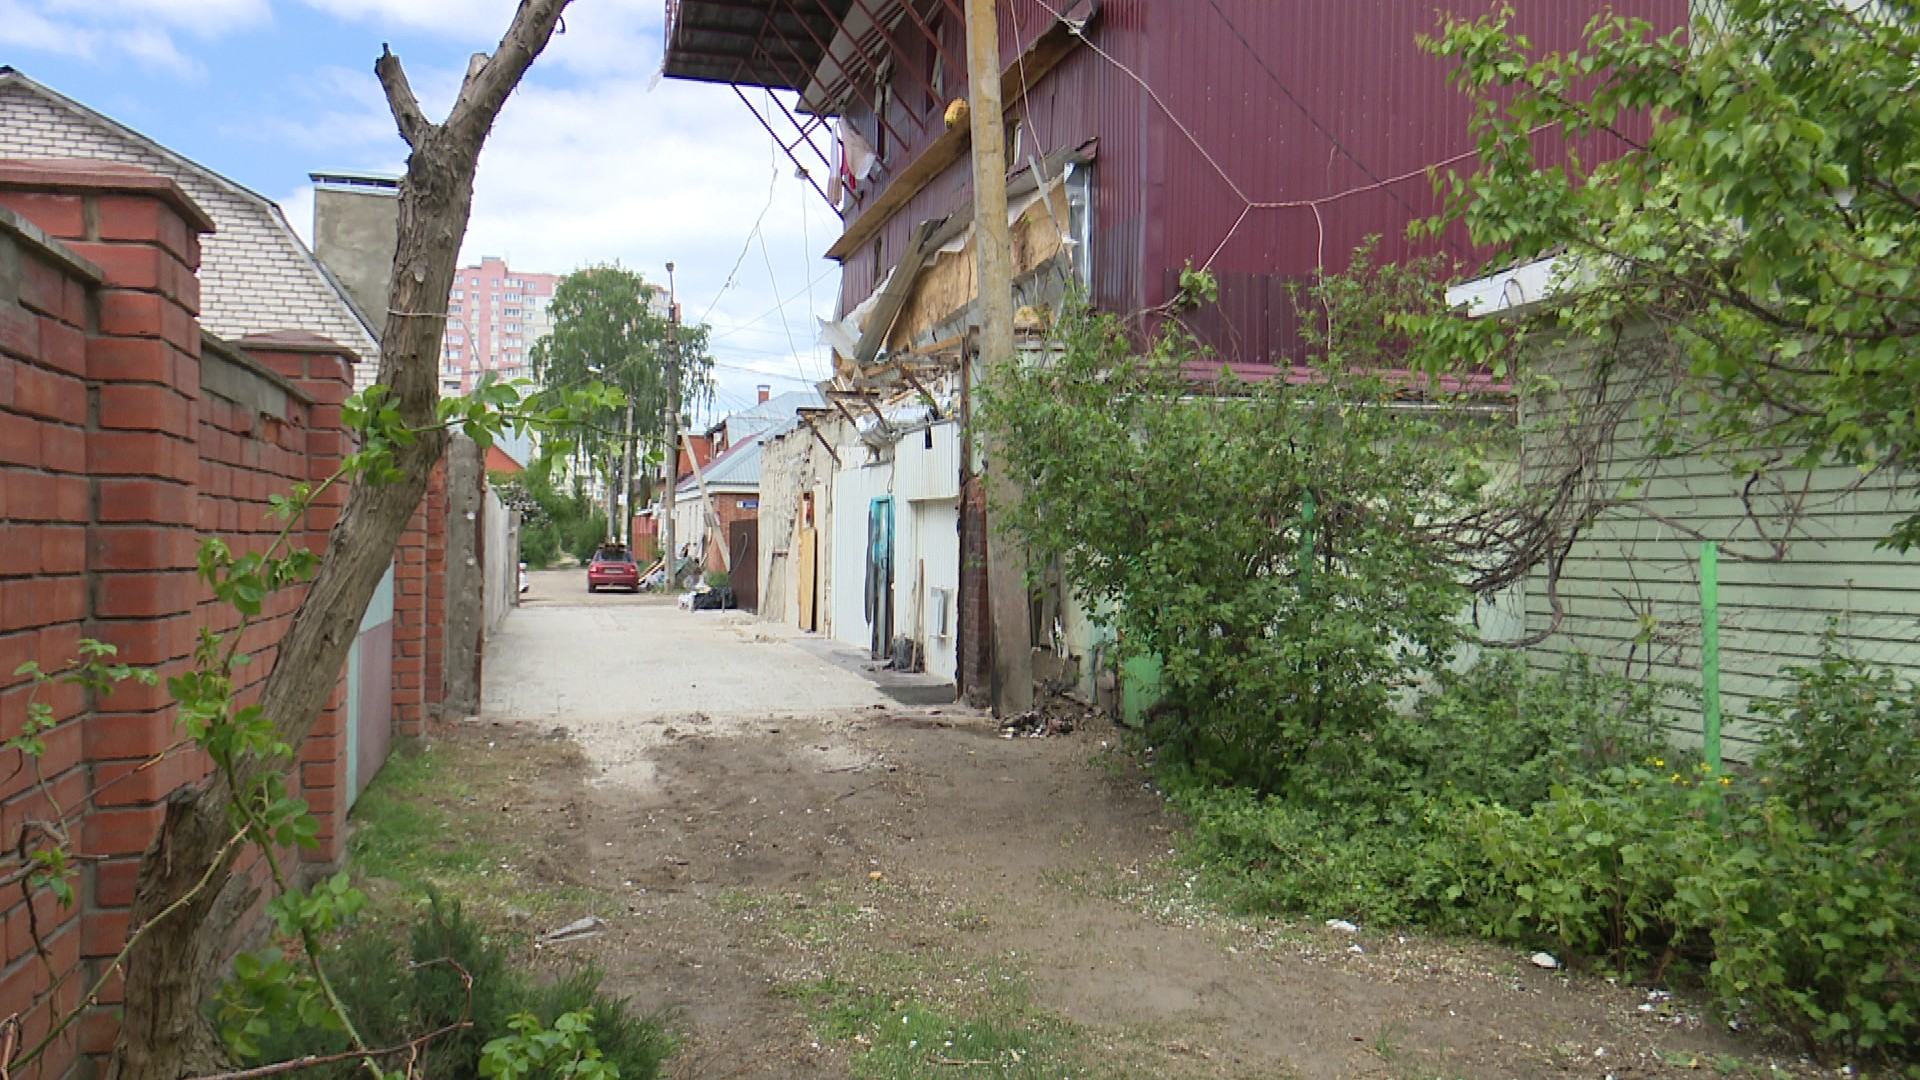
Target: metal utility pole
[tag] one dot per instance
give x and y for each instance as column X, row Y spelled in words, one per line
column 1006, row 569
column 673, row 433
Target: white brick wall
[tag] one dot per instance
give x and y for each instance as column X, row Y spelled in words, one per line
column 255, row 274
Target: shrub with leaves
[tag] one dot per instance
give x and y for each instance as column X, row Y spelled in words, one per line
column 1815, row 909
column 1598, row 867
column 1749, row 185
column 452, row 971
column 1381, row 829
column 1281, row 545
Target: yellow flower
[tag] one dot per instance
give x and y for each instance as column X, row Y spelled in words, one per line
column 1659, row 763
column 1676, row 778
column 1726, row 781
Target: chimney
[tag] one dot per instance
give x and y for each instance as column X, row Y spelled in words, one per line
column 765, row 392
column 355, row 227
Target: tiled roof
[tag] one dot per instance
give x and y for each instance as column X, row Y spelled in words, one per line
column 255, row 274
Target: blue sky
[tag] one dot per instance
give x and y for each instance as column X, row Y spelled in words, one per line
column 595, row 158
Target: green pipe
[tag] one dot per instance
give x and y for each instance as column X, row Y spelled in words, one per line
column 1307, row 511
column 1710, row 650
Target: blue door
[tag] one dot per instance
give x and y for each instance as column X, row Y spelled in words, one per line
column 880, row 575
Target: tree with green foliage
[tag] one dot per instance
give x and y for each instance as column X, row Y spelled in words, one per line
column 1748, row 188
column 1294, row 551
column 552, row 521
column 609, row 328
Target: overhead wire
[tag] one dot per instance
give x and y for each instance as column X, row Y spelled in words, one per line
column 772, row 311
column 767, row 254
column 773, row 182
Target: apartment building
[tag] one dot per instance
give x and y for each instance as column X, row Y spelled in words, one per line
column 494, row 315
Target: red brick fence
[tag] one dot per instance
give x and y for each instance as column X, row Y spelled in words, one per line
column 126, row 436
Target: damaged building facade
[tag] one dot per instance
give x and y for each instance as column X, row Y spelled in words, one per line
column 1263, row 142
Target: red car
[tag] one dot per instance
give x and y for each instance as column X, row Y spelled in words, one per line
column 613, row 568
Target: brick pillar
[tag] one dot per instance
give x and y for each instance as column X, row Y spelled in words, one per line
column 420, row 610
column 409, row 628
column 141, row 386
column 438, row 504
column 322, row 370
column 44, row 506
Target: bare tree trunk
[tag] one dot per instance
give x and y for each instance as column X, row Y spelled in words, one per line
column 162, row 1036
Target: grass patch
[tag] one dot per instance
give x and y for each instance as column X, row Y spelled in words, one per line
column 885, row 975
column 406, row 827
column 901, row 1038
column 435, row 819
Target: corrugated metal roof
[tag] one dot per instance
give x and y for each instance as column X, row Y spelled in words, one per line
column 736, row 470
column 772, row 416
column 774, row 43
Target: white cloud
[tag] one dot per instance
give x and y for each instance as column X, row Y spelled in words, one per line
column 594, row 159
column 453, row 18
column 342, row 123
column 596, row 36
column 298, row 207
column 614, row 169
column 138, row 30
column 206, row 18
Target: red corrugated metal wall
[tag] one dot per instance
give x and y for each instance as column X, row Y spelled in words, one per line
column 1306, row 100
column 1291, row 100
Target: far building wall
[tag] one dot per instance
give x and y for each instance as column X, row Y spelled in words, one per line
column 495, row 314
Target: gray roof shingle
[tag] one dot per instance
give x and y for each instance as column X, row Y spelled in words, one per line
column 256, row 276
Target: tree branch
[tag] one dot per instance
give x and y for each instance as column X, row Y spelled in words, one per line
column 414, row 125
column 281, row 1068
column 492, row 78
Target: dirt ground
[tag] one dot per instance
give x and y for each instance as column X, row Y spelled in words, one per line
column 752, row 860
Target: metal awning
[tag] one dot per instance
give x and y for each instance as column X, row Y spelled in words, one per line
column 772, row 43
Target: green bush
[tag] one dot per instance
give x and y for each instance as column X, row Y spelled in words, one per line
column 1384, row 826
column 1280, row 546
column 551, row 522
column 1503, row 733
column 1599, row 867
column 1271, row 854
column 1795, row 884
column 1815, row 906
column 394, row 997
column 539, row 545
column 583, row 535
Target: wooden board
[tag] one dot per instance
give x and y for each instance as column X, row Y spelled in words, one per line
column 806, row 566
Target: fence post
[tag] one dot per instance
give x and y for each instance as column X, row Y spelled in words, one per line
column 1710, row 651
